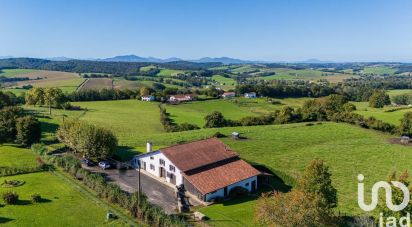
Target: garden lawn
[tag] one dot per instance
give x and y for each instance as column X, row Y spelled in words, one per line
column 63, row 205
column 12, row 156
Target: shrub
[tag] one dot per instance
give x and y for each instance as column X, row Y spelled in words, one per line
column 39, row 148
column 10, row 197
column 35, row 198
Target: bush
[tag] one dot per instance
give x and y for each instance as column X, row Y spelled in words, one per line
column 10, row 197
column 39, row 148
column 35, row 198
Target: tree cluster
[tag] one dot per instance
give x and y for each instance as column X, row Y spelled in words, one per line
column 87, row 140
column 311, row 203
column 16, row 126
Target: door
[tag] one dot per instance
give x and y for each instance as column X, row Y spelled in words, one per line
column 172, row 178
column 253, row 185
column 162, row 172
column 143, row 165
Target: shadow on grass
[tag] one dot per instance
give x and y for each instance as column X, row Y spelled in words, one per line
column 23, row 202
column 47, row 127
column 44, row 200
column 5, row 220
column 275, row 182
column 125, row 153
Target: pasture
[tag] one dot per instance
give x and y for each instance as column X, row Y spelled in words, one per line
column 234, row 109
column 286, row 150
column 169, row 72
column 380, row 70
column 97, row 84
column 389, row 114
column 306, row 74
column 41, row 78
column 15, row 72
column 128, row 119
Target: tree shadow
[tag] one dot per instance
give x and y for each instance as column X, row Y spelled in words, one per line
column 23, row 202
column 5, row 220
column 44, row 200
column 47, row 127
column 125, row 153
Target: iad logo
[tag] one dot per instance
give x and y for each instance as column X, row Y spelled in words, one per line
column 375, row 196
column 389, row 221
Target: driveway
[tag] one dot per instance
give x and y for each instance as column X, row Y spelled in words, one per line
column 156, row 192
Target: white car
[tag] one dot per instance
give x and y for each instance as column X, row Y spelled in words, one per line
column 104, row 165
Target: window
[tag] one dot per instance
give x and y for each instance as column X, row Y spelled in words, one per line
column 172, row 168
column 170, row 175
column 152, row 167
column 162, row 162
column 247, row 184
column 151, row 157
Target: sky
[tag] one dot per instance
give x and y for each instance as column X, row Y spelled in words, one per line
column 275, row 30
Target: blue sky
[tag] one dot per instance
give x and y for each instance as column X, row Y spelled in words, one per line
column 277, row 30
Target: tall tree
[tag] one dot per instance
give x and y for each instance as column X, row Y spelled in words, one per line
column 379, row 99
column 28, row 130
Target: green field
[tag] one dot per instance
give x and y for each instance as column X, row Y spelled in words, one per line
column 15, row 72
column 234, row 109
column 287, row 149
column 399, row 92
column 128, row 119
column 16, row 91
column 224, row 80
column 305, row 74
column 15, row 156
column 383, row 114
column 379, row 70
column 63, row 205
column 168, row 72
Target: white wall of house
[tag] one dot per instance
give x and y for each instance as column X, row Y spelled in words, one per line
column 152, row 160
column 247, row 184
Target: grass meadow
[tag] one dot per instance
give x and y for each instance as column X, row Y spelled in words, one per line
column 286, row 150
column 389, row 114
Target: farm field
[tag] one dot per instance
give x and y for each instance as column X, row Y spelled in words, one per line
column 286, row 149
column 234, row 109
column 68, row 82
column 97, row 84
column 128, row 119
column 223, row 80
column 385, row 114
column 168, row 72
column 305, row 74
column 379, row 70
column 133, row 85
column 392, row 93
column 16, row 91
column 15, row 72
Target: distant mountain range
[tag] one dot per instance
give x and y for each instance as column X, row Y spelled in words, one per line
column 134, row 58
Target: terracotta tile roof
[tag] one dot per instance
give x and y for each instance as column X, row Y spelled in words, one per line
column 221, row 176
column 197, row 154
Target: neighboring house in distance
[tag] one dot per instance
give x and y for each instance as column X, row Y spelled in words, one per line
column 250, row 95
column 208, row 169
column 149, row 98
column 182, row 98
column 228, row 95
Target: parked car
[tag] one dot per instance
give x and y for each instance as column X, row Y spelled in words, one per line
column 87, row 162
column 104, row 165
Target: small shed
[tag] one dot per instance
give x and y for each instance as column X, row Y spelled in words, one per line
column 235, row 135
column 405, row 139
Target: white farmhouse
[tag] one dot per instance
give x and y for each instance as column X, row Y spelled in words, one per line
column 250, row 95
column 208, row 169
column 149, row 98
column 228, row 95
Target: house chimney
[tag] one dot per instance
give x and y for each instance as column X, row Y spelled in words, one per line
column 149, row 146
